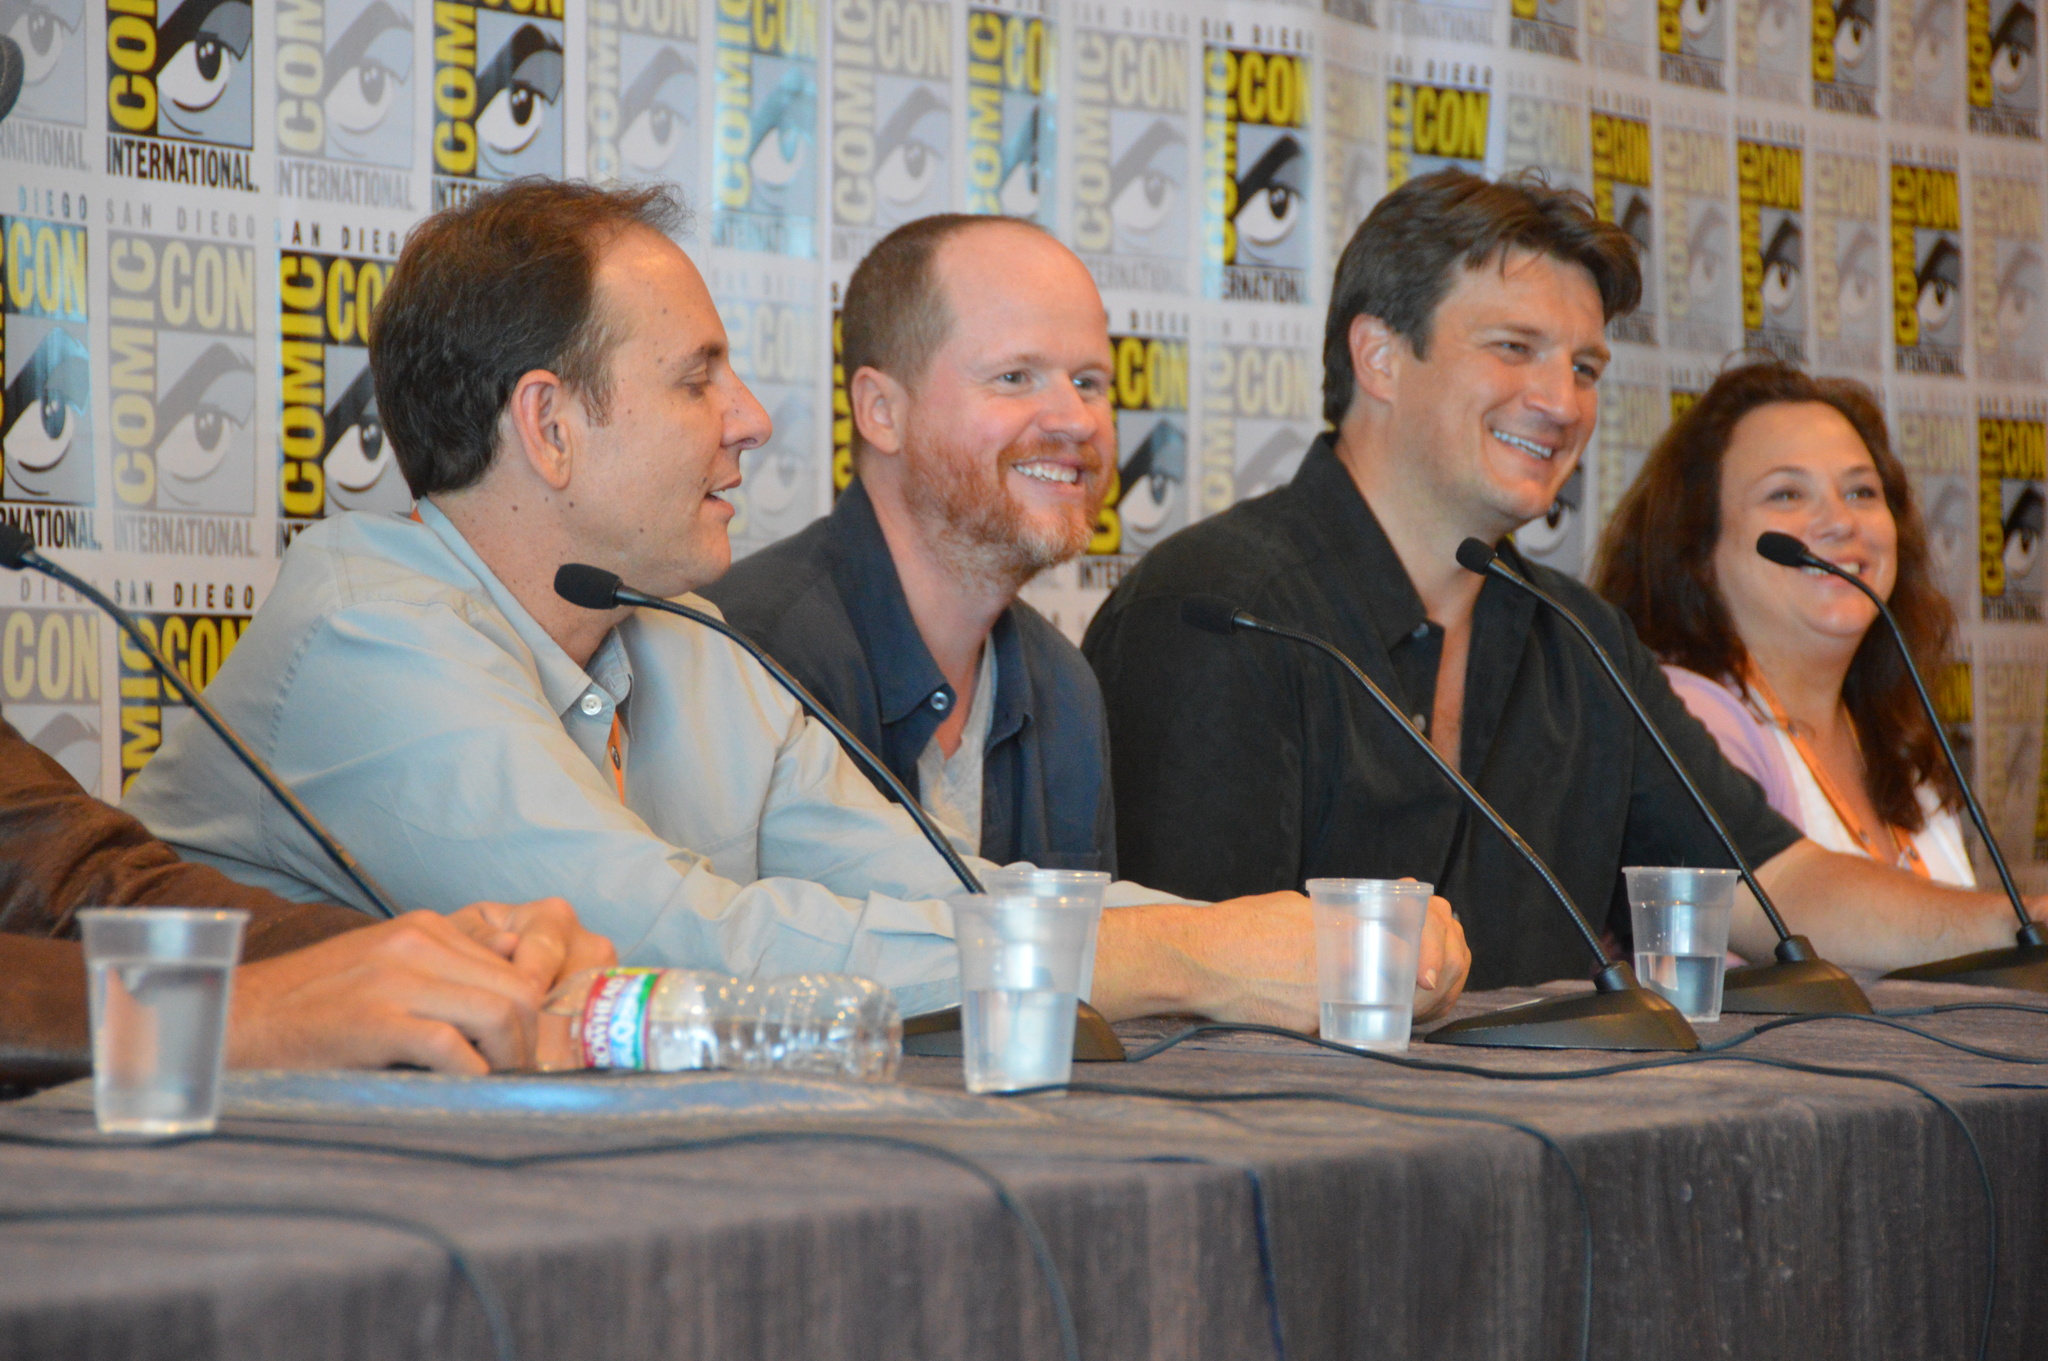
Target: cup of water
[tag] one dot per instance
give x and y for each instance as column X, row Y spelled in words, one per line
column 1080, row 888
column 1020, row 977
column 1681, row 928
column 158, row 986
column 1368, row 936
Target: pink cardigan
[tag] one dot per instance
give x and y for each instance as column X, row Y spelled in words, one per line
column 1744, row 740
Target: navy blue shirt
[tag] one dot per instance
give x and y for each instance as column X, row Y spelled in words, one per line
column 827, row 604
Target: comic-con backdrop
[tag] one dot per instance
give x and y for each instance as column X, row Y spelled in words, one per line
column 201, row 200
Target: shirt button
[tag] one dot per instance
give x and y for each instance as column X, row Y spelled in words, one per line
column 1421, row 723
column 941, row 702
column 591, row 705
column 1421, row 632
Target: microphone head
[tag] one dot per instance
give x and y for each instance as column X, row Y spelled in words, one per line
column 591, row 587
column 1210, row 613
column 1782, row 549
column 15, row 546
column 1476, row 555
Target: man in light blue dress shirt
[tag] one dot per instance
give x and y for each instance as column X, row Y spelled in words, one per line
column 554, row 379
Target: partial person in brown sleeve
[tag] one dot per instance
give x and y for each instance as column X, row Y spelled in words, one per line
column 319, row 986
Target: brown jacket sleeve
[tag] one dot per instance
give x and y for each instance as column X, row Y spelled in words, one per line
column 61, row 849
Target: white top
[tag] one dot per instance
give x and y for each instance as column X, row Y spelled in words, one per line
column 949, row 787
column 1939, row 840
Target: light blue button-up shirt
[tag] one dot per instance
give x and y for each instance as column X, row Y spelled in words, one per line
column 457, row 750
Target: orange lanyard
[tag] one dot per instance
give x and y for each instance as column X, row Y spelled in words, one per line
column 1904, row 854
column 615, row 750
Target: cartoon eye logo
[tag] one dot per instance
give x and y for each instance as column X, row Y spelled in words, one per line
column 1707, row 253
column 209, row 409
column 197, row 75
column 1695, row 17
column 909, row 162
column 1547, row 532
column 358, row 458
column 1774, row 24
column 368, row 67
column 1855, row 28
column 1781, row 261
column 2019, row 294
column 46, row 404
column 42, row 37
column 1930, row 41
column 654, row 111
column 1269, row 196
column 2012, row 50
column 1145, row 181
column 516, row 90
column 1149, row 479
column 359, row 101
column 1941, row 284
column 2023, row 533
column 1857, row 285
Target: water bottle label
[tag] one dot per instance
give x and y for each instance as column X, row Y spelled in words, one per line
column 614, row 1030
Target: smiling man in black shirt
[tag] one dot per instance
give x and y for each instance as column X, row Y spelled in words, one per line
column 1462, row 355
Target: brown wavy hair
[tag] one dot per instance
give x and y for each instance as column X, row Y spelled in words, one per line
column 1656, row 562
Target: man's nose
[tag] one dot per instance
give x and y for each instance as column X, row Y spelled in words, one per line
column 747, row 423
column 1554, row 391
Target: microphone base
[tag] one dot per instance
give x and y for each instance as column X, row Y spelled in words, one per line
column 2024, row 967
column 937, row 1035
column 1633, row 1019
column 1793, row 987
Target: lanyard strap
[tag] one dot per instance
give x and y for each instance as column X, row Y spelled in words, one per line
column 615, row 752
column 1904, row 853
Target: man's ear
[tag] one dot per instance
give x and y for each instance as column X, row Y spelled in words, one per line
column 545, row 420
column 1376, row 352
column 880, row 405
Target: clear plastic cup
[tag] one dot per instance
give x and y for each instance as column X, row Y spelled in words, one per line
column 159, row 980
column 1681, row 929
column 1368, row 937
column 1020, row 976
column 1083, row 888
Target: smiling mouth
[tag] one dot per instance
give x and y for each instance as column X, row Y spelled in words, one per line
column 1527, row 446
column 1852, row 568
column 1056, row 473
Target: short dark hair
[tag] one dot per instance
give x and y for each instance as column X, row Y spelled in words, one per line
column 894, row 316
column 487, row 292
column 1656, row 562
column 1399, row 263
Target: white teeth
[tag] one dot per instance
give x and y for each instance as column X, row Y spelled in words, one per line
column 1048, row 472
column 1853, row 568
column 1526, row 445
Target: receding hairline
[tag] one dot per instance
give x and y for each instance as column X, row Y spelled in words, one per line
column 942, row 282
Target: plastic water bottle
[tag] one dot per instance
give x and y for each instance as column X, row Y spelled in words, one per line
column 680, row 1020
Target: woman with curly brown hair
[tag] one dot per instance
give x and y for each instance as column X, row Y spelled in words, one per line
column 1782, row 664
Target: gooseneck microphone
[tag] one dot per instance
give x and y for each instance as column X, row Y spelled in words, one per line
column 1619, row 1014
column 1799, row 982
column 596, row 589
column 2024, row 965
column 18, row 551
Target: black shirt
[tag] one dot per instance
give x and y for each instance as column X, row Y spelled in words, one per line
column 1247, row 763
column 827, row 603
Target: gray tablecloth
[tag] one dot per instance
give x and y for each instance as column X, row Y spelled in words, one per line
column 1737, row 1211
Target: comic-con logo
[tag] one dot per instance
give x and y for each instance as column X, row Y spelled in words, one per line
column 1847, row 254
column 1769, row 190
column 2003, row 75
column 50, row 677
column 181, row 327
column 1147, row 499
column 1131, row 159
column 1009, row 115
column 1259, row 405
column 1547, row 26
column 1622, row 194
column 1939, row 449
column 1924, row 68
column 2005, row 223
column 773, row 343
column 1699, row 240
column 764, row 143
column 1255, row 120
column 195, row 645
column 497, row 94
column 42, row 60
column 46, row 408
column 892, row 117
column 1927, row 270
column 1769, row 49
column 344, row 80
column 1431, row 126
column 642, row 103
column 1845, row 60
column 181, row 69
column 1351, row 154
column 2012, row 461
column 1692, row 42
column 330, row 437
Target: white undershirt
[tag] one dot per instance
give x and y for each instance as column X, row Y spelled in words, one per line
column 950, row 786
column 1939, row 840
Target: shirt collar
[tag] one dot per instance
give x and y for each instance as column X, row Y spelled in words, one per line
column 1350, row 529
column 906, row 677
column 562, row 681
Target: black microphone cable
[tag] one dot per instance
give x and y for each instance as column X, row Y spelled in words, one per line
column 17, row 550
column 596, row 589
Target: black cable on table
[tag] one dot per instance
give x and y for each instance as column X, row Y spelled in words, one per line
column 1055, row 1285
column 495, row 1318
column 1261, row 1225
